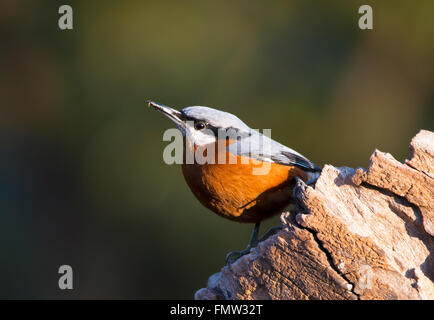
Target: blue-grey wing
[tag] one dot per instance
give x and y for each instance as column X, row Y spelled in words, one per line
column 260, row 147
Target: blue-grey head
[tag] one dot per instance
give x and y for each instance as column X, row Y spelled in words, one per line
column 203, row 124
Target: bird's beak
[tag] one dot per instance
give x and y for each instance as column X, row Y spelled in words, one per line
column 171, row 113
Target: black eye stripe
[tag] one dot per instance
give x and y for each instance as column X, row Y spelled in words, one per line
column 186, row 118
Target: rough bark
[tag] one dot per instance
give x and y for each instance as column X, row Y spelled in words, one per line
column 358, row 234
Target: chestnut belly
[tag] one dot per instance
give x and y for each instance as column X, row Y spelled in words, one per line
column 234, row 192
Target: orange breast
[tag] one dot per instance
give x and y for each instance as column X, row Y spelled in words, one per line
column 234, row 192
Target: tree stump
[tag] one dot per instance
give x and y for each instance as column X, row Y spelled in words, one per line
column 358, row 234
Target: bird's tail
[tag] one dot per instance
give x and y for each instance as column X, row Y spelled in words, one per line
column 312, row 177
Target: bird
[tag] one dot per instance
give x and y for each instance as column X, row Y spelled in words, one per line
column 228, row 186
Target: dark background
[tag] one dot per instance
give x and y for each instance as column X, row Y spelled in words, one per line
column 82, row 179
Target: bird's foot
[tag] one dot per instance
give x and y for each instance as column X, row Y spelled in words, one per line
column 233, row 256
column 271, row 232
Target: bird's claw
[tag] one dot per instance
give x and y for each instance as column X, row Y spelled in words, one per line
column 233, row 256
column 271, row 232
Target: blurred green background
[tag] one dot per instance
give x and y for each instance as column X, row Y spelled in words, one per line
column 82, row 179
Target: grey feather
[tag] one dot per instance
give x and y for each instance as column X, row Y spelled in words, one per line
column 263, row 148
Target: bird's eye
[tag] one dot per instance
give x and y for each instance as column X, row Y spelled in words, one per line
column 199, row 125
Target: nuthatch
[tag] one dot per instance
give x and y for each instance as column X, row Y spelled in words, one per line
column 232, row 190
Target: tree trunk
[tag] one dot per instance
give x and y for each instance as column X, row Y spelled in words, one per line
column 358, row 234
